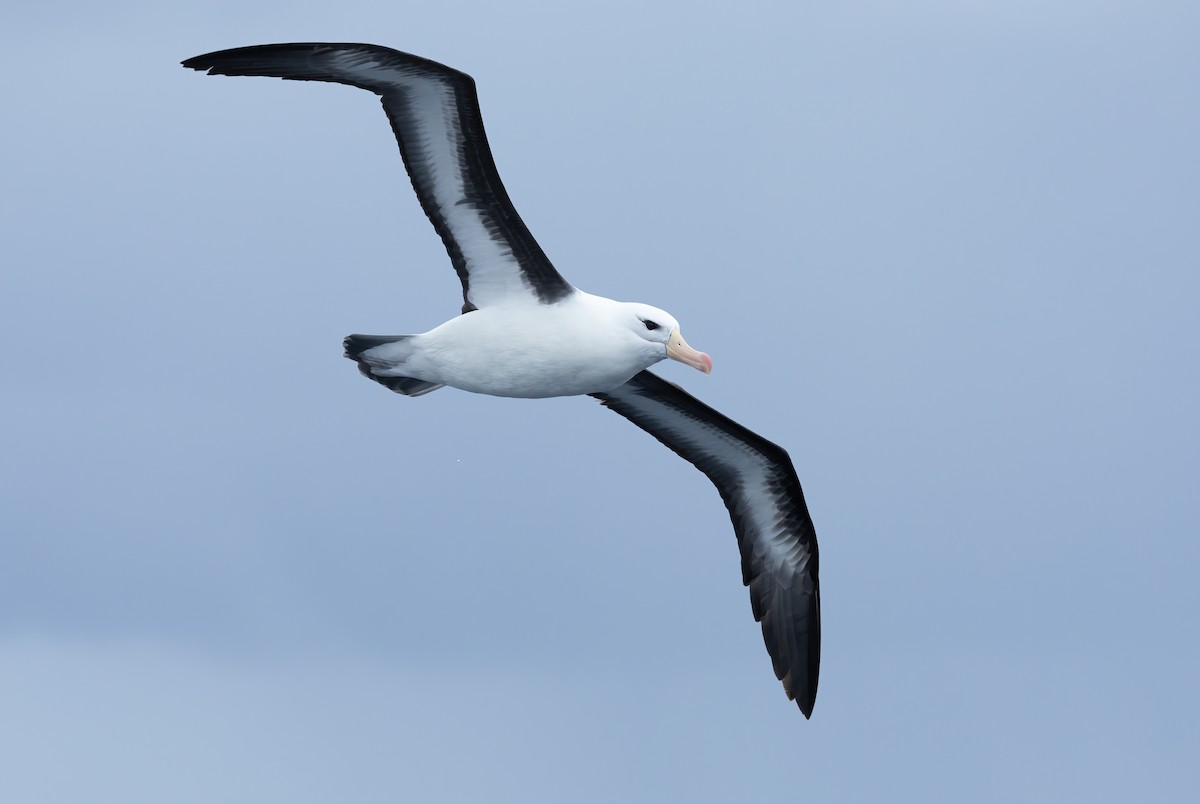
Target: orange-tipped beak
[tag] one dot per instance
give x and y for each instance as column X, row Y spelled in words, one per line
column 677, row 349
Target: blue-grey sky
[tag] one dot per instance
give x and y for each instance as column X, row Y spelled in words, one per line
column 946, row 253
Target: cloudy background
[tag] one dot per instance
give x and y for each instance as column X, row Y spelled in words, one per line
column 946, row 253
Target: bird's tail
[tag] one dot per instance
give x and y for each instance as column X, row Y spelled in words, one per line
column 379, row 357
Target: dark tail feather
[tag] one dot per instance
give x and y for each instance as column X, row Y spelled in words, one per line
column 355, row 345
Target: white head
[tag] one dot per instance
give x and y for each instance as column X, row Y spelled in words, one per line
column 660, row 330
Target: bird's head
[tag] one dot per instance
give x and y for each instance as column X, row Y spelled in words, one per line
column 660, row 328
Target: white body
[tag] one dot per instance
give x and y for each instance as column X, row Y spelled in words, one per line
column 584, row 344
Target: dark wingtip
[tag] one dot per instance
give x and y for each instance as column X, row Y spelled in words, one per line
column 264, row 60
column 805, row 698
column 211, row 61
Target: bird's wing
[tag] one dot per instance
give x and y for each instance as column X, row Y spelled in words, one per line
column 434, row 112
column 774, row 531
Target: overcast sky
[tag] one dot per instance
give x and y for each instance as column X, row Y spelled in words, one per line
column 946, row 253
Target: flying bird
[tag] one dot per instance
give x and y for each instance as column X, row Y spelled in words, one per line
column 524, row 331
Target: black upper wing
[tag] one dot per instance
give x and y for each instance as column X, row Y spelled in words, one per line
column 434, row 112
column 774, row 531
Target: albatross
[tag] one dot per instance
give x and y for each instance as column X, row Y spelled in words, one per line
column 524, row 331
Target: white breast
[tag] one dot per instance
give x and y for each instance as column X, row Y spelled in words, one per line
column 578, row 346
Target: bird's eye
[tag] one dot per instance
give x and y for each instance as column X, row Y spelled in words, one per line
column 650, row 325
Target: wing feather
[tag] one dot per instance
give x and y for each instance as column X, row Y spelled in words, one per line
column 775, row 533
column 434, row 112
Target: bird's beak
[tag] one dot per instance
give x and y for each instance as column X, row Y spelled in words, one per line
column 677, row 349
